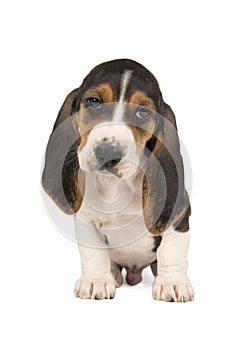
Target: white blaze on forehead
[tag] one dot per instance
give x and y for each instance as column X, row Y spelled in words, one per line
column 124, row 84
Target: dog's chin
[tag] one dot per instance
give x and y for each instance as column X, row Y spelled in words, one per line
column 109, row 172
column 122, row 171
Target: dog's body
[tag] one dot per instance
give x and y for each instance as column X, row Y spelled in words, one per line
column 122, row 177
column 135, row 255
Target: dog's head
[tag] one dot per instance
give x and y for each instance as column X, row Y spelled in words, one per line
column 116, row 117
column 117, row 109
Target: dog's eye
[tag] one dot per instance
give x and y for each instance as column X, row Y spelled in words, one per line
column 143, row 113
column 94, row 102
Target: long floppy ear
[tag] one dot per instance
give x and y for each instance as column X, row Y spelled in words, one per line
column 165, row 200
column 61, row 169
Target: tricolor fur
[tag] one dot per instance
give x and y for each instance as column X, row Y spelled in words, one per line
column 124, row 153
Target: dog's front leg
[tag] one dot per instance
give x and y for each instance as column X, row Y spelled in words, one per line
column 172, row 282
column 97, row 281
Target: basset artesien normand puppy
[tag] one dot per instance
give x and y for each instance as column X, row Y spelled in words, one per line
column 113, row 161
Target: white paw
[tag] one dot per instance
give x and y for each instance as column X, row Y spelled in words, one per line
column 96, row 288
column 172, row 291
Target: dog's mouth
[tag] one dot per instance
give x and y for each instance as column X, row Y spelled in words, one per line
column 109, row 172
column 110, row 167
column 110, row 164
column 116, row 163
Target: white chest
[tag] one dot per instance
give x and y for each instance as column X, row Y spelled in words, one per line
column 111, row 217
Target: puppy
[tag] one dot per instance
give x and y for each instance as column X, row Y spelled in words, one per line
column 113, row 161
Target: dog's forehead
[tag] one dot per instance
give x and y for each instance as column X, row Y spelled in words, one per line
column 114, row 72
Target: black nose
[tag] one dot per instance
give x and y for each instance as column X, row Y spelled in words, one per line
column 108, row 155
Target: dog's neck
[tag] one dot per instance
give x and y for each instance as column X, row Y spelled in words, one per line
column 110, row 193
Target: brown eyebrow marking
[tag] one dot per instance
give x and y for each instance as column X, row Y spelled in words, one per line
column 140, row 98
column 104, row 91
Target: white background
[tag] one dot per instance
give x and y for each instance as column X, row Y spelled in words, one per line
column 47, row 48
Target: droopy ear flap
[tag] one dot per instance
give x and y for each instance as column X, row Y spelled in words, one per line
column 70, row 105
column 61, row 167
column 165, row 200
